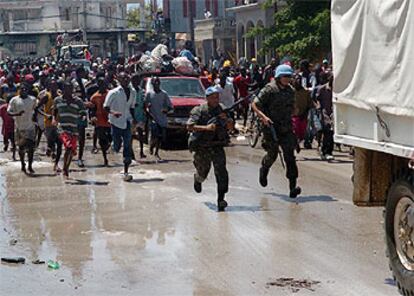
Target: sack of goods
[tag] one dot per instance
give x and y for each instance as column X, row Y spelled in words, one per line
column 148, row 64
column 183, row 65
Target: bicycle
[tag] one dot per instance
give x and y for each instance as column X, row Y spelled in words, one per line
column 254, row 129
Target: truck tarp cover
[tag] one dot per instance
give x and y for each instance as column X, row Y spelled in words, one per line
column 373, row 54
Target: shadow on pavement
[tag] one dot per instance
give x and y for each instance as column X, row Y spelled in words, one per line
column 86, row 182
column 99, row 166
column 139, row 181
column 213, row 207
column 304, row 199
column 80, row 170
column 163, row 161
column 390, row 282
column 335, row 161
column 40, row 175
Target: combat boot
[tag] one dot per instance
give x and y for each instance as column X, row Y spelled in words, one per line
column 294, row 190
column 197, row 185
column 221, row 203
column 263, row 176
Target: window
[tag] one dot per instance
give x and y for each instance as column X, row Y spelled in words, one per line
column 25, row 48
column 193, row 8
column 20, row 15
column 166, row 8
column 185, row 8
column 75, row 16
column 215, row 8
column 65, row 13
column 35, row 14
column 208, row 4
column 182, row 87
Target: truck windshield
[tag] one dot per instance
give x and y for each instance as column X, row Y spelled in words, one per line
column 182, row 87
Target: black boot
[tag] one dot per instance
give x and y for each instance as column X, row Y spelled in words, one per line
column 221, row 203
column 197, row 185
column 294, row 190
column 263, row 176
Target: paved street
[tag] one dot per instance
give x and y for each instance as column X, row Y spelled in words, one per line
column 155, row 236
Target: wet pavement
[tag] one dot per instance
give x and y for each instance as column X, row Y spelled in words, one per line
column 155, row 236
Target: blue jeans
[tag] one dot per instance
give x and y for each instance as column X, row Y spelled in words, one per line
column 123, row 136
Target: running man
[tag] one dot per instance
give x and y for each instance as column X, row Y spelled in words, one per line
column 100, row 118
column 68, row 110
column 22, row 109
column 119, row 103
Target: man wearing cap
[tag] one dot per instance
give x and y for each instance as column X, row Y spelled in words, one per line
column 207, row 141
column 274, row 105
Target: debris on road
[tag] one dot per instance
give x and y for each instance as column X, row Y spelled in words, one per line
column 38, row 261
column 16, row 260
column 13, row 242
column 294, row 285
column 53, row 264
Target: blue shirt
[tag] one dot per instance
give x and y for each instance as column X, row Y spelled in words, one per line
column 187, row 54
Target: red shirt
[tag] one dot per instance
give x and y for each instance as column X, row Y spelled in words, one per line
column 8, row 122
column 242, row 84
column 98, row 100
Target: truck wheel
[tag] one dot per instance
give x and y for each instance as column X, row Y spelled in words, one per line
column 399, row 226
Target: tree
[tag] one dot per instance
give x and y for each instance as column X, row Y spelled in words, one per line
column 301, row 30
column 133, row 18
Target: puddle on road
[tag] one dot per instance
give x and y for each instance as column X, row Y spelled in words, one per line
column 87, row 229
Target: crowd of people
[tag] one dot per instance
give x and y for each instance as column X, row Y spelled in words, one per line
column 312, row 118
column 59, row 100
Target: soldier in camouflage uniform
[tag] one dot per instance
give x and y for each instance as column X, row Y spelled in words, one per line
column 275, row 105
column 207, row 141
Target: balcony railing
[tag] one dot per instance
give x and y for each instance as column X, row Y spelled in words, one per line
column 245, row 2
column 216, row 22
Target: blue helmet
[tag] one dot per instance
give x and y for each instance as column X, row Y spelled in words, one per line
column 283, row 70
column 213, row 90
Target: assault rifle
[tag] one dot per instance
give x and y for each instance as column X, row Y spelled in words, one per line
column 276, row 139
column 194, row 138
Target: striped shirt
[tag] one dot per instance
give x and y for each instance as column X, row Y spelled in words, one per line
column 69, row 114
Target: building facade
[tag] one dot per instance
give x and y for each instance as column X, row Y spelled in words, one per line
column 248, row 15
column 30, row 28
column 212, row 36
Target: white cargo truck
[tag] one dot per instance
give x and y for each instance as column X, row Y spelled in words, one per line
column 373, row 62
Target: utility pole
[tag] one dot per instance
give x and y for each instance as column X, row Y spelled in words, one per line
column 84, row 12
column 191, row 20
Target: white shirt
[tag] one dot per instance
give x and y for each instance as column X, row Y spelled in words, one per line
column 159, row 51
column 227, row 95
column 23, row 122
column 116, row 100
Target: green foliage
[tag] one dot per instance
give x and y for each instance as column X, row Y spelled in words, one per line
column 133, row 18
column 301, row 30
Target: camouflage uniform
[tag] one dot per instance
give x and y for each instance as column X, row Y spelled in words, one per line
column 278, row 105
column 209, row 147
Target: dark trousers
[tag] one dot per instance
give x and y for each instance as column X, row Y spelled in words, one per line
column 123, row 137
column 203, row 158
column 327, row 141
column 288, row 144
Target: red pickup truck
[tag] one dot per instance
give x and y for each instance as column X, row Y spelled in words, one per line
column 185, row 93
